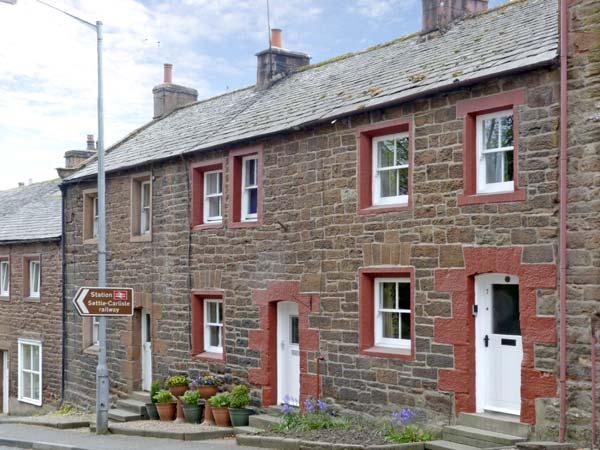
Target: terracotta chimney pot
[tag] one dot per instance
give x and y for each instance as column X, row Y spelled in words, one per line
column 168, row 73
column 276, row 37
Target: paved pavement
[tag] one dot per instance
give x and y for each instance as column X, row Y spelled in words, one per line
column 12, row 435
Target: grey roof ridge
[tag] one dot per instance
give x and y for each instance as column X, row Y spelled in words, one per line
column 28, row 185
column 147, row 125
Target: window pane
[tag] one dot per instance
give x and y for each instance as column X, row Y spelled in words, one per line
column 213, row 312
column 215, row 336
column 35, row 358
column 493, row 167
column 490, row 133
column 294, row 330
column 145, row 194
column 508, row 166
column 389, row 183
column 403, row 295
column 214, row 206
column 213, row 183
column 506, row 127
column 403, row 181
column 388, row 295
column 4, row 277
column 26, row 379
column 250, row 172
column 402, row 151
column 405, row 319
column 390, row 325
column 252, row 200
column 220, row 308
column 505, row 309
column 26, row 354
column 385, row 150
column 35, row 386
column 145, row 227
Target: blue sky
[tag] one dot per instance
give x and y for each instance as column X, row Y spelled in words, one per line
column 48, row 76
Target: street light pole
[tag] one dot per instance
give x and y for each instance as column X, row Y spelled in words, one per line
column 102, row 383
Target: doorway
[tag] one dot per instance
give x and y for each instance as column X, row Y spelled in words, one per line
column 288, row 353
column 499, row 345
column 146, row 350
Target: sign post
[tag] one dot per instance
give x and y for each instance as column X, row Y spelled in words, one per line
column 103, row 302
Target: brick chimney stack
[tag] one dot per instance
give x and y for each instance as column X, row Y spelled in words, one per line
column 439, row 14
column 169, row 96
column 276, row 62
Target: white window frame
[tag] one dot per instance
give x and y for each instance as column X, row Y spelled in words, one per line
column 95, row 217
column 34, row 291
column 145, row 220
column 21, row 398
column 207, row 196
column 247, row 217
column 207, row 325
column 381, row 341
column 95, row 331
column 4, row 278
column 482, row 186
column 375, row 180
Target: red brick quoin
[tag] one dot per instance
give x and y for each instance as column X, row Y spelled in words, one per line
column 265, row 338
column 460, row 329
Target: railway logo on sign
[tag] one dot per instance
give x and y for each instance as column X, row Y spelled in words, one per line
column 95, row 301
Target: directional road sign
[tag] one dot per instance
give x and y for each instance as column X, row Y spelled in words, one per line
column 95, row 301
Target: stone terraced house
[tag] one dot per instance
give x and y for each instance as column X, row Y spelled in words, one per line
column 381, row 228
column 30, row 297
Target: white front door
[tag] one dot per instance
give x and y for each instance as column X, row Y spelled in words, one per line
column 5, row 384
column 288, row 353
column 499, row 346
column 146, row 350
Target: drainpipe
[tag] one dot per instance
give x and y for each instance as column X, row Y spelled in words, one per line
column 63, row 250
column 593, row 342
column 564, row 28
column 319, row 359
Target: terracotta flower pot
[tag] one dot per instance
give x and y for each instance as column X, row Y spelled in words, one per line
column 221, row 416
column 207, row 392
column 166, row 411
column 178, row 390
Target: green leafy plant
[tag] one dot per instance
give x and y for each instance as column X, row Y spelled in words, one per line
column 190, row 397
column 164, row 396
column 177, row 380
column 240, row 397
column 317, row 415
column 154, row 388
column 400, row 429
column 221, row 400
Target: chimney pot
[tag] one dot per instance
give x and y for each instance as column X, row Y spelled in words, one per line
column 91, row 144
column 277, row 37
column 168, row 73
column 21, row 184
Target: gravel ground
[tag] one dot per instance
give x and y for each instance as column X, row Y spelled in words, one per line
column 157, row 425
column 354, row 434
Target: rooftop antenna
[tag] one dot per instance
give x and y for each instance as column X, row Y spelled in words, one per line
column 269, row 34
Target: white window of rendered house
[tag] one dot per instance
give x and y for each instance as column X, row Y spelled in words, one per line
column 392, row 312
column 390, row 169
column 250, row 188
column 495, row 152
column 30, row 372
column 213, row 196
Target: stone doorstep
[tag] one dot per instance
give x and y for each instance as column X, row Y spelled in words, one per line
column 282, row 443
column 200, row 435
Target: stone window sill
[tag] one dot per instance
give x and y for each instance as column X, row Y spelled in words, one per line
column 4, row 298
column 388, row 352
column 208, row 226
column 517, row 195
column 209, row 356
column 32, row 300
column 384, row 208
column 92, row 350
column 90, row 241
column 141, row 238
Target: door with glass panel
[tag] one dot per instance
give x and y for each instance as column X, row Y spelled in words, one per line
column 499, row 345
column 288, row 353
column 146, row 350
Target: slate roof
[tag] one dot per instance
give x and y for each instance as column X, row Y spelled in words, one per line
column 514, row 36
column 31, row 213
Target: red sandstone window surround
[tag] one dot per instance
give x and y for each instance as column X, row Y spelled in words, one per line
column 385, row 166
column 490, row 149
column 207, row 194
column 208, row 333
column 386, row 311
column 245, row 177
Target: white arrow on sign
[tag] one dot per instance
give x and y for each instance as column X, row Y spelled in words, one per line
column 83, row 292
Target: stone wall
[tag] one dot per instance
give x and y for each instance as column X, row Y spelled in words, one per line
column 39, row 319
column 311, row 234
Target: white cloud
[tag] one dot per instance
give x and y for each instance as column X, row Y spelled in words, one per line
column 375, row 9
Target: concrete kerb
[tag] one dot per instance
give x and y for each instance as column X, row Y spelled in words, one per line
column 69, row 425
column 37, row 445
column 298, row 444
column 180, row 435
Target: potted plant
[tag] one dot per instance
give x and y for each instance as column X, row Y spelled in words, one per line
column 220, row 405
column 151, row 407
column 178, row 384
column 207, row 385
column 165, row 405
column 191, row 408
column 239, row 399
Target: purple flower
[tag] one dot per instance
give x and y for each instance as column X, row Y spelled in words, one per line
column 322, row 405
column 309, row 405
column 404, row 416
